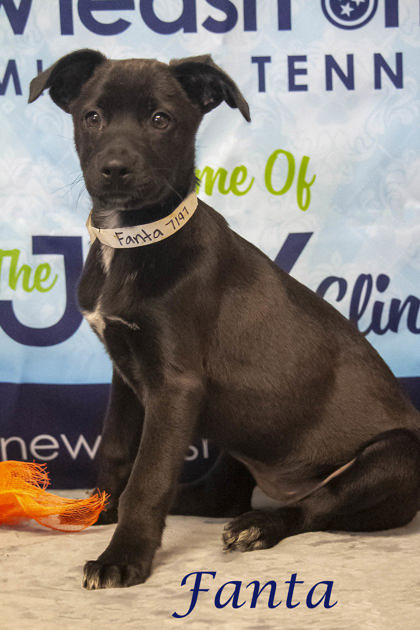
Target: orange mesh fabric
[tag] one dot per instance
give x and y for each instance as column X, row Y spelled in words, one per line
column 23, row 495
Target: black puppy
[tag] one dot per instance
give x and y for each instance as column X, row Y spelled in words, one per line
column 209, row 338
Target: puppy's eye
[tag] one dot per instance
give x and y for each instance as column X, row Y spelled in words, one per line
column 160, row 120
column 93, row 119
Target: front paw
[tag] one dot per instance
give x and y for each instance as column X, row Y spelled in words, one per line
column 98, row 574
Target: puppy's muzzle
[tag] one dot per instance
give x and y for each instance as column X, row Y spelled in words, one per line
column 115, row 167
column 116, row 172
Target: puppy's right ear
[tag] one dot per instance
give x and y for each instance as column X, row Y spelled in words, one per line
column 66, row 77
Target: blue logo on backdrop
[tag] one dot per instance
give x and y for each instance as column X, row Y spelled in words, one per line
column 341, row 13
column 70, row 247
column 349, row 13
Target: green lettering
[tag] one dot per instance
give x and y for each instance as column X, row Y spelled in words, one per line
column 23, row 273
column 238, row 177
column 304, row 187
column 42, row 274
column 279, row 176
column 210, row 179
column 268, row 177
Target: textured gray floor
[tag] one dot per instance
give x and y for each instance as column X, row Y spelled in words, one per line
column 375, row 581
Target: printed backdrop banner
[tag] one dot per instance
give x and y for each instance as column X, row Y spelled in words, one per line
column 324, row 180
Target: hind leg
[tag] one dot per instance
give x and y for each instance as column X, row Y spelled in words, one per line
column 381, row 490
column 226, row 490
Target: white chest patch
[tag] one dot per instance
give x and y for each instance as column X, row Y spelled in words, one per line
column 107, row 256
column 98, row 320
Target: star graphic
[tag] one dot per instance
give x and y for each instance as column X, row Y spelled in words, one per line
column 358, row 2
column 346, row 9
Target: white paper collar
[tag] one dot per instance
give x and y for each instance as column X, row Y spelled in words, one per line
column 148, row 233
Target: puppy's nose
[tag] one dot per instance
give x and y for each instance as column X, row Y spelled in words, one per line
column 115, row 171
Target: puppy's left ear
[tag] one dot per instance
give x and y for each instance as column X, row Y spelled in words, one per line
column 207, row 85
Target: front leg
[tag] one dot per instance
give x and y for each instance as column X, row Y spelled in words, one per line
column 170, row 417
column 119, row 444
